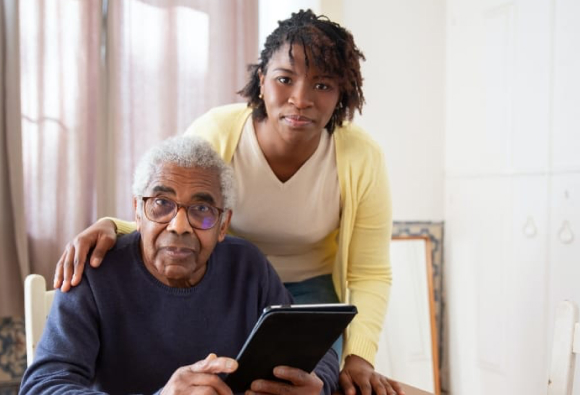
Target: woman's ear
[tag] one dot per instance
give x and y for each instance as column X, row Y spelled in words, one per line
column 261, row 77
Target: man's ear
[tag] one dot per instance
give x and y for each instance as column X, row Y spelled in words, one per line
column 224, row 226
column 137, row 213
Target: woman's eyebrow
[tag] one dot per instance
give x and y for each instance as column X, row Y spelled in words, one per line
column 324, row 77
column 284, row 70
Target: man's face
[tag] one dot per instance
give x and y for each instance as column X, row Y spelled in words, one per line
column 175, row 253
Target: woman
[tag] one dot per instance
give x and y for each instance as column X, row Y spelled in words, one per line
column 312, row 188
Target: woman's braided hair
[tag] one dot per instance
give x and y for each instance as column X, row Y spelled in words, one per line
column 331, row 48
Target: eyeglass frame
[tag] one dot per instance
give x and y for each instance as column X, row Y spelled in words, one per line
column 179, row 207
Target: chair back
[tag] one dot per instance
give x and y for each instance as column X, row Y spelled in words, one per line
column 37, row 302
column 565, row 346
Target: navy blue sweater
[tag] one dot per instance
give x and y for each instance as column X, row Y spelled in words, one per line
column 122, row 331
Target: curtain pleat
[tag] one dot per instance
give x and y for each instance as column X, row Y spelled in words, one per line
column 14, row 263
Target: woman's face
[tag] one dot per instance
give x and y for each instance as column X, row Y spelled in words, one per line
column 299, row 100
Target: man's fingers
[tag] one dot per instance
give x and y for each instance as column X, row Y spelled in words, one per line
column 184, row 380
column 209, row 380
column 214, row 365
column 300, row 382
column 294, row 375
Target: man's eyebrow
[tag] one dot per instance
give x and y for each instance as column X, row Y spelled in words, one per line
column 163, row 188
column 203, row 197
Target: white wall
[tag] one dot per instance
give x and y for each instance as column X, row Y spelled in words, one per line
column 271, row 11
column 403, row 42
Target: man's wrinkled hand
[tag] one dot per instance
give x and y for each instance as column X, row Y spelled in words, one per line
column 201, row 377
column 298, row 382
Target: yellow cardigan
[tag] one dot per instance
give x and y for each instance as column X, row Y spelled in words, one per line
column 361, row 271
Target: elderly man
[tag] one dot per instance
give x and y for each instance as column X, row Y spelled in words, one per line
column 175, row 292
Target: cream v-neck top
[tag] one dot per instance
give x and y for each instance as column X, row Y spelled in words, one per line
column 306, row 207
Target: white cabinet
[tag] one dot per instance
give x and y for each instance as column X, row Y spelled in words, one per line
column 566, row 87
column 530, row 87
column 564, row 237
column 495, row 277
column 512, row 188
column 564, row 245
column 477, row 283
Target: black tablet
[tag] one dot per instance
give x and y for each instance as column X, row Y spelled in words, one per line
column 291, row 335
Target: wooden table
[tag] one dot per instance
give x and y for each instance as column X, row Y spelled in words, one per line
column 409, row 390
column 414, row 391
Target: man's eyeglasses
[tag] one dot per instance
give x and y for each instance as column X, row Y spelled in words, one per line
column 162, row 210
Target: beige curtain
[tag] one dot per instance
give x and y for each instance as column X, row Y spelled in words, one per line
column 101, row 81
column 13, row 249
column 169, row 62
column 60, row 80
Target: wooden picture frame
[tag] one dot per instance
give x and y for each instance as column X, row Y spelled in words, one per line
column 408, row 347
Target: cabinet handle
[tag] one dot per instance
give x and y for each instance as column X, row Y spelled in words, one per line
column 565, row 233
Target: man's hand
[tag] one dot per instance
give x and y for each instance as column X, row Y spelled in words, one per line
column 69, row 269
column 300, row 383
column 201, row 377
column 358, row 373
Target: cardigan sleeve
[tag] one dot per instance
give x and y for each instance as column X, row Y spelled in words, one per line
column 368, row 271
column 123, row 227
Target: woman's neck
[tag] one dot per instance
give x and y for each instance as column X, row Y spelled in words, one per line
column 284, row 157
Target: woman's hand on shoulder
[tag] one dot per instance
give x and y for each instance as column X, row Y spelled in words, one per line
column 69, row 270
column 359, row 373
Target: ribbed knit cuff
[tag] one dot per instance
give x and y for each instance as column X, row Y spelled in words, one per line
column 362, row 347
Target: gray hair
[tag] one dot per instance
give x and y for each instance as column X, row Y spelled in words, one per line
column 187, row 152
